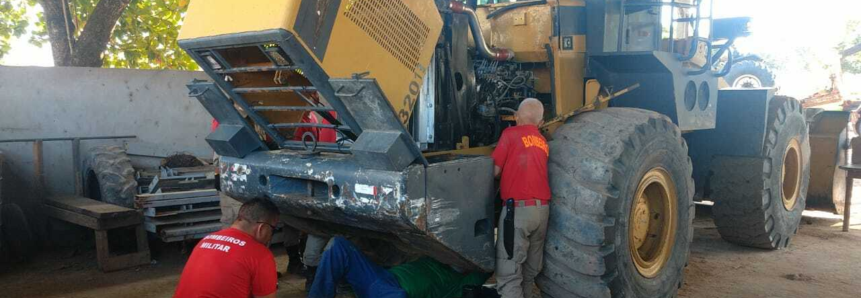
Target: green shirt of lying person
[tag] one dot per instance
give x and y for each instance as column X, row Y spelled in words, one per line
column 428, row 278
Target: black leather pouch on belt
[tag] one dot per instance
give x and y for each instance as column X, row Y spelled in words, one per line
column 508, row 235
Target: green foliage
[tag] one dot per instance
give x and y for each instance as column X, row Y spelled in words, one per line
column 851, row 63
column 13, row 23
column 143, row 38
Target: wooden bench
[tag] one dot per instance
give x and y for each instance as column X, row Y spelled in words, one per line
column 102, row 217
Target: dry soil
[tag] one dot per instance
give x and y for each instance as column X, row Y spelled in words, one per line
column 821, row 262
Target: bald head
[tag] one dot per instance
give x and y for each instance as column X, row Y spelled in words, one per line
column 530, row 112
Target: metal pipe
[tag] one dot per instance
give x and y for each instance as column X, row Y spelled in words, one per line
column 693, row 50
column 76, row 167
column 498, row 54
column 66, row 139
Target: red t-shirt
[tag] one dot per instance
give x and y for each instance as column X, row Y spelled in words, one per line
column 323, row 135
column 522, row 154
column 228, row 264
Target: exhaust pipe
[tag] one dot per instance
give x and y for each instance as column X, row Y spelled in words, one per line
column 486, row 51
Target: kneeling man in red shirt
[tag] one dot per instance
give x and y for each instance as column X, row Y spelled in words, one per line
column 234, row 262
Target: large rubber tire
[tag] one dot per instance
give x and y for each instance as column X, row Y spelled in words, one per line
column 750, row 74
column 109, row 176
column 597, row 161
column 16, row 233
column 753, row 213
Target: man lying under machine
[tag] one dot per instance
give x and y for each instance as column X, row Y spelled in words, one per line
column 424, row 277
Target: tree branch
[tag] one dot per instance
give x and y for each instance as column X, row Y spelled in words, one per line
column 852, row 51
column 97, row 32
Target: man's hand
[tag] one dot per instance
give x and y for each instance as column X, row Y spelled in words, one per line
column 496, row 171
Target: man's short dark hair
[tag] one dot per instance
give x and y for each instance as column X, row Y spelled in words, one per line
column 258, row 210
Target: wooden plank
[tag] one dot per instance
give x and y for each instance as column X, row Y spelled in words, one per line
column 176, row 185
column 1, row 181
column 183, row 231
column 76, row 167
column 119, row 222
column 89, row 207
column 69, row 216
column 142, row 241
column 177, row 195
column 154, row 223
column 39, row 177
column 103, row 250
column 847, row 201
column 174, row 202
column 182, row 238
column 108, row 263
column 153, row 212
column 89, row 221
column 200, row 169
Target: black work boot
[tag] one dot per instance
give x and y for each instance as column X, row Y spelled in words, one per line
column 310, row 273
column 294, row 260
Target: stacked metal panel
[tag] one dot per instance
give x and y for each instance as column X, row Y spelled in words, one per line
column 174, row 213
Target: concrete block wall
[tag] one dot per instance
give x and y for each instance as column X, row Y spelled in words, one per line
column 37, row 102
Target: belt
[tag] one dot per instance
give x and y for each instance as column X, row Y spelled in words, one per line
column 530, row 202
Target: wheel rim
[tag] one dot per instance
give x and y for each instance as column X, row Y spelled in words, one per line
column 653, row 222
column 791, row 174
column 747, row 81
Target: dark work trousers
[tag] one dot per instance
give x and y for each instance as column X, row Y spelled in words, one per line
column 343, row 260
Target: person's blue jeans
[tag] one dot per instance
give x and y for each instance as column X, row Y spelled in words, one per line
column 368, row 280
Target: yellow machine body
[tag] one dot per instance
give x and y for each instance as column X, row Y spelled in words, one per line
column 391, row 41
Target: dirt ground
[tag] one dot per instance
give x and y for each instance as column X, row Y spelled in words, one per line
column 821, row 262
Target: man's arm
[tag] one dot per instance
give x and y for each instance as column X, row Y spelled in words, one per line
column 265, row 279
column 500, row 154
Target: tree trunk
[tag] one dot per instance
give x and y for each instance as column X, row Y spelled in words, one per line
column 60, row 29
column 85, row 49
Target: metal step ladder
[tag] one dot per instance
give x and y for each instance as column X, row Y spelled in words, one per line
column 275, row 131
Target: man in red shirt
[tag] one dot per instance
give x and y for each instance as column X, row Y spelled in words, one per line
column 234, row 262
column 322, row 135
column 521, row 159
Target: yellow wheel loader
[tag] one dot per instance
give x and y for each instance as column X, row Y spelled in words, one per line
column 420, row 91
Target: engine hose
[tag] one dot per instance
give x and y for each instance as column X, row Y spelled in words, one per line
column 498, row 54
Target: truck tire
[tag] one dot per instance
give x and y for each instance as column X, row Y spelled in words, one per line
column 109, row 176
column 750, row 74
column 766, row 213
column 603, row 165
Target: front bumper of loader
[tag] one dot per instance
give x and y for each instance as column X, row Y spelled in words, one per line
column 444, row 210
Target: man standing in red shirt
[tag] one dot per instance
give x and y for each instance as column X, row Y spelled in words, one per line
column 234, row 262
column 521, row 159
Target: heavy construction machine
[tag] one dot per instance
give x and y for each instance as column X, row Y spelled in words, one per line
column 419, row 92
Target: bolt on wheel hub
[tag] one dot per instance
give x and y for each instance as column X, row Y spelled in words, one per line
column 747, row 81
